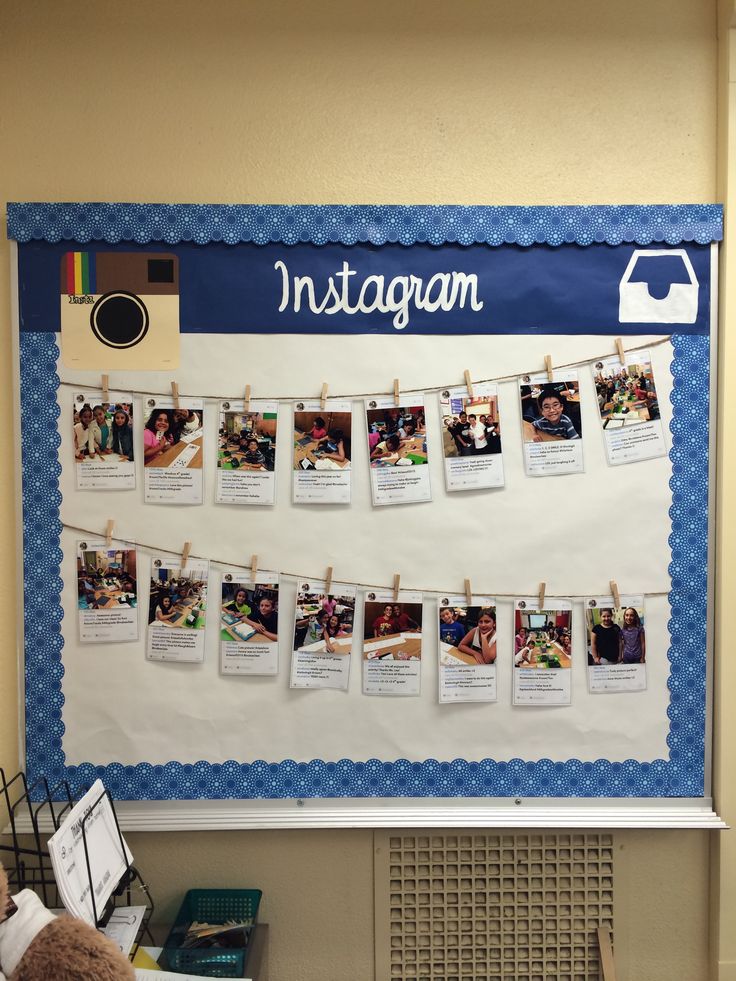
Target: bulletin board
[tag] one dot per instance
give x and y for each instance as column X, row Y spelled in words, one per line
column 547, row 284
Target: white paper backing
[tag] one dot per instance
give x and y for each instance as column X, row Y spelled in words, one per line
column 575, row 532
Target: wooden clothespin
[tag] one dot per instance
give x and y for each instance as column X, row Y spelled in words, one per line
column 542, row 591
column 253, row 567
column 175, row 394
column 108, row 532
column 548, row 367
column 615, row 593
column 620, row 349
column 246, row 400
column 328, row 580
column 397, row 397
column 468, row 384
column 606, row 951
column 397, row 581
column 323, row 397
column 468, row 593
column 185, row 555
column 105, row 388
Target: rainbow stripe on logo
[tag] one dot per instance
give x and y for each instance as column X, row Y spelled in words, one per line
column 80, row 273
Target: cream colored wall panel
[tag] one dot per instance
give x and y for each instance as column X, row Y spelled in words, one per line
column 470, row 101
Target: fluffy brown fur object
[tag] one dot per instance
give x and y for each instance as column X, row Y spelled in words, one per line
column 66, row 949
column 70, row 950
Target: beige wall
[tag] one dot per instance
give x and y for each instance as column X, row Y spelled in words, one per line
column 478, row 101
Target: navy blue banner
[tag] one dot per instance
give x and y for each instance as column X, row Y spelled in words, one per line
column 388, row 289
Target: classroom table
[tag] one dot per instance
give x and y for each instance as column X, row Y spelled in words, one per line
column 257, row 638
column 183, row 608
column 342, row 645
column 530, row 432
column 166, row 458
column 101, row 459
column 637, row 409
column 307, row 610
column 413, row 447
column 458, row 654
column 395, row 644
column 308, row 452
column 105, row 599
column 565, row 660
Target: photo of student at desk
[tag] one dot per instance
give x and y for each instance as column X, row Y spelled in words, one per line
column 177, row 600
column 173, row 438
column 247, row 441
column 322, row 440
column 543, row 639
column 323, row 623
column 392, row 631
column 103, row 433
column 626, row 393
column 550, row 412
column 397, row 437
column 249, row 613
column 467, row 635
column 106, row 579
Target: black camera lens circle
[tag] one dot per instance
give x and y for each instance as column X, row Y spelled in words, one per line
column 119, row 319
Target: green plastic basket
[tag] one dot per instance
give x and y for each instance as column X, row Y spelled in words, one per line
column 210, row 906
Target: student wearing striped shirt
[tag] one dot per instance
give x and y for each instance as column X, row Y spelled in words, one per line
column 553, row 421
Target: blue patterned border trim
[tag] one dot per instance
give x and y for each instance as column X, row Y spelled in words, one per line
column 377, row 224
column 682, row 775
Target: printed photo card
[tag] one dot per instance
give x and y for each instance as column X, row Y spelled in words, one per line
column 471, row 438
column 173, row 451
column 107, row 592
column 392, row 643
column 397, row 447
column 177, row 609
column 322, row 452
column 323, row 635
column 542, row 652
column 249, row 623
column 103, row 441
column 552, row 430
column 616, row 643
column 629, row 408
column 467, row 649
column 246, row 453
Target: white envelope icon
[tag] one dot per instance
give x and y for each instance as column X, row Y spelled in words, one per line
column 637, row 306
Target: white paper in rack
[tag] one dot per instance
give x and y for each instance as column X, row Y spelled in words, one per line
column 107, row 861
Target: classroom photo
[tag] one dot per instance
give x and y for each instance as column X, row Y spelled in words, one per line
column 392, row 630
column 103, row 431
column 542, row 639
column 550, row 411
column 626, row 393
column 249, row 612
column 470, row 426
column 106, row 579
column 323, row 623
column 467, row 634
column 247, row 441
column 177, row 599
column 397, row 436
column 615, row 635
column 322, row 440
column 173, row 438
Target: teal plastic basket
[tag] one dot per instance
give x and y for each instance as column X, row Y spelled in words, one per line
column 216, row 906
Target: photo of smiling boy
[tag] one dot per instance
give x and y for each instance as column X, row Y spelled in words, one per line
column 551, row 426
column 552, row 420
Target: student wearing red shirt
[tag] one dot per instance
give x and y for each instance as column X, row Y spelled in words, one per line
column 384, row 624
column 402, row 621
